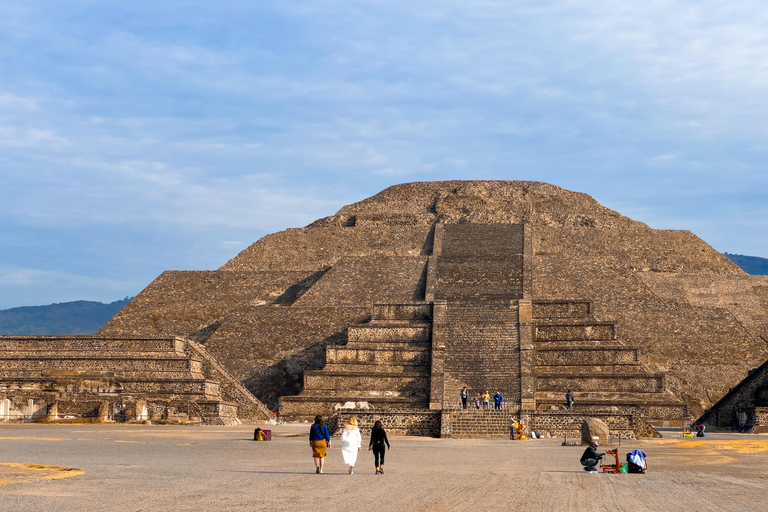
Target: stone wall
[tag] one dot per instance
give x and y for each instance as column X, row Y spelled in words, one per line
column 406, row 423
column 478, row 423
column 751, row 394
column 569, row 424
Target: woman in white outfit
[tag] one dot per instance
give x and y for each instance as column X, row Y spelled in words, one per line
column 350, row 443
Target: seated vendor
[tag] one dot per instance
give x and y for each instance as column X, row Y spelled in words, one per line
column 590, row 458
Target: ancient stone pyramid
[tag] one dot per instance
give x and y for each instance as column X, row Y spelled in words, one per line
column 398, row 301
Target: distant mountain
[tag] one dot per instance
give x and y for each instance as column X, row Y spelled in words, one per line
column 78, row 317
column 750, row 264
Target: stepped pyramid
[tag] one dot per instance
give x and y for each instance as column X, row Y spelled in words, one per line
column 396, row 302
column 117, row 379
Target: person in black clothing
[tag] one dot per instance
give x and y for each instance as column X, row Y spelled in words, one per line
column 464, row 396
column 590, row 458
column 377, row 442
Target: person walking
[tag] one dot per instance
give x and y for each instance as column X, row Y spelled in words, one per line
column 497, row 399
column 376, row 444
column 464, row 396
column 319, row 440
column 569, row 400
column 486, row 399
column 351, row 440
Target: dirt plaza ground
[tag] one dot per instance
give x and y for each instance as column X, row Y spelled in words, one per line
column 147, row 468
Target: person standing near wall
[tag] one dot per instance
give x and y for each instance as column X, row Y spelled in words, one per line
column 319, row 440
column 351, row 440
column 569, row 400
column 512, row 427
column 497, row 399
column 464, row 396
column 477, row 401
column 376, row 444
column 486, row 399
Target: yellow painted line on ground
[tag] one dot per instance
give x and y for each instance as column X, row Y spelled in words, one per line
column 19, row 472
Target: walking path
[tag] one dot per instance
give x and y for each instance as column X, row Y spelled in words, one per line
column 148, row 468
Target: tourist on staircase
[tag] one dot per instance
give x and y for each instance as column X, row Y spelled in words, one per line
column 486, row 399
column 351, row 440
column 464, row 396
column 478, row 400
column 376, row 444
column 497, row 399
column 569, row 400
column 319, row 440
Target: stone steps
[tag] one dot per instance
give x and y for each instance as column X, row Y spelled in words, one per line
column 603, row 397
column 591, row 370
column 127, row 384
column 589, row 331
column 385, row 361
column 92, row 344
column 386, row 345
column 554, row 310
column 91, row 364
column 377, row 355
column 365, row 381
column 11, row 355
column 378, row 368
column 579, row 345
column 615, row 382
column 412, row 312
column 63, row 375
column 389, row 333
column 481, row 241
column 477, row 278
column 602, row 355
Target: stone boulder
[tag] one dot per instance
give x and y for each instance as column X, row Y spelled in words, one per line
column 593, row 428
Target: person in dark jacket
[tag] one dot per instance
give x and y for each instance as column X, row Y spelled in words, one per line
column 464, row 395
column 319, row 440
column 376, row 444
column 590, row 458
column 569, row 400
column 497, row 399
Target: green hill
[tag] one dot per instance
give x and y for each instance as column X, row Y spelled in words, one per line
column 750, row 264
column 78, row 317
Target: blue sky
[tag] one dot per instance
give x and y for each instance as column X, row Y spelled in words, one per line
column 144, row 136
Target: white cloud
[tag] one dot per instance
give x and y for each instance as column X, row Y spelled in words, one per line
column 231, row 119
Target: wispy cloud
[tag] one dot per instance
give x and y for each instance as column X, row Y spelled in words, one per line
column 220, row 122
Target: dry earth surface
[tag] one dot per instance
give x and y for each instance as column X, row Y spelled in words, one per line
column 143, row 468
